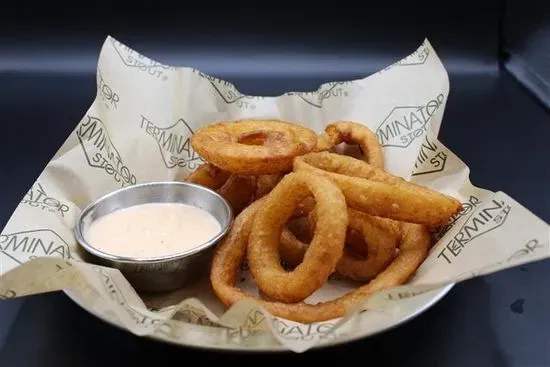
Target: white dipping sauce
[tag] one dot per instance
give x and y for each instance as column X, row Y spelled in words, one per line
column 151, row 230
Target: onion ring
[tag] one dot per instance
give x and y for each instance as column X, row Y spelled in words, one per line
column 355, row 244
column 231, row 253
column 381, row 241
column 266, row 183
column 305, row 207
column 376, row 192
column 324, row 143
column 381, row 238
column 296, row 233
column 353, row 133
column 326, row 247
column 208, row 175
column 239, row 191
column 253, row 147
column 301, row 228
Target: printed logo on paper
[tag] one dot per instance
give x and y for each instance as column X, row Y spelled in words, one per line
column 116, row 295
column 467, row 207
column 37, row 197
column 109, row 97
column 431, row 158
column 405, row 294
column 174, row 143
column 292, row 331
column 326, row 92
column 101, row 153
column 8, row 295
column 396, row 294
column 253, row 324
column 404, row 124
column 254, row 320
column 135, row 60
column 528, row 249
column 418, row 57
column 229, row 94
column 486, row 219
column 193, row 315
column 20, row 247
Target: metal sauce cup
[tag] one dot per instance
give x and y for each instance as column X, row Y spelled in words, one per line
column 163, row 273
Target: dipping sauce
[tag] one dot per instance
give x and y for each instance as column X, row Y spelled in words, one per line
column 151, row 230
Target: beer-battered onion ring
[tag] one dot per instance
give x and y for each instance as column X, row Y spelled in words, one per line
column 209, row 176
column 355, row 244
column 231, row 253
column 381, row 238
column 301, row 228
column 324, row 143
column 239, row 191
column 266, row 183
column 305, row 207
column 253, row 147
column 292, row 249
column 353, row 133
column 324, row 251
column 297, row 232
column 376, row 192
column 355, row 241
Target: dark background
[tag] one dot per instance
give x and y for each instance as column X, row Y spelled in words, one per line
column 497, row 54
column 526, row 45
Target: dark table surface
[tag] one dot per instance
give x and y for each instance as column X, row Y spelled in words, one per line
column 499, row 320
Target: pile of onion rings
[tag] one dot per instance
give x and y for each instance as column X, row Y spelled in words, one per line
column 305, row 213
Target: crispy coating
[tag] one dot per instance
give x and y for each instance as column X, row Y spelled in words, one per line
column 324, row 143
column 354, row 133
column 231, row 253
column 318, row 211
column 380, row 236
column 266, row 183
column 301, row 228
column 209, row 176
column 305, row 207
column 376, row 192
column 355, row 244
column 324, row 251
column 253, row 147
column 297, row 234
column 239, row 191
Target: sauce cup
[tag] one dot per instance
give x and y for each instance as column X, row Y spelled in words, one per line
column 162, row 273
